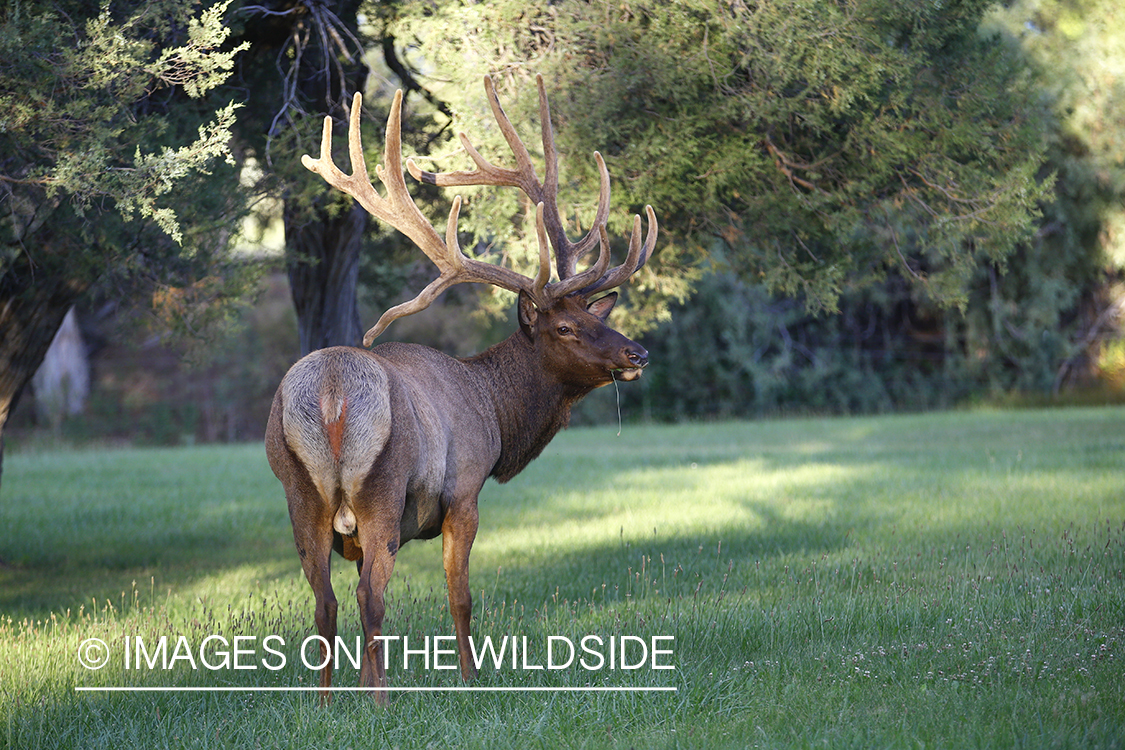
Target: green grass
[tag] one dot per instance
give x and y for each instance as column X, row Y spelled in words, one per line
column 949, row 580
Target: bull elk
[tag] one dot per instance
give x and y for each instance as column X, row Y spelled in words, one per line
column 378, row 447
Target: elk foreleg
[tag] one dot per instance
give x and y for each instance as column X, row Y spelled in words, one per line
column 458, row 530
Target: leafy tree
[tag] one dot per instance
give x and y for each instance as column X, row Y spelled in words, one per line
column 1066, row 299
column 813, row 147
column 1030, row 323
column 737, row 351
column 305, row 61
column 108, row 153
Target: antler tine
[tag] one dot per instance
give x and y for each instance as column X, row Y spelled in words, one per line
column 398, row 209
column 525, row 169
column 634, row 261
column 570, row 252
column 463, row 269
column 567, row 252
column 568, row 285
column 595, row 278
column 487, row 173
column 426, row 297
column 523, row 177
column 544, row 254
column 361, row 190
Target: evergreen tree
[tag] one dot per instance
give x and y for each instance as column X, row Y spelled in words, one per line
column 813, row 147
column 1055, row 314
column 108, row 147
column 1029, row 323
column 305, row 61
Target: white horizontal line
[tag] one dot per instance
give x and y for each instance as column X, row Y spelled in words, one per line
column 419, row 689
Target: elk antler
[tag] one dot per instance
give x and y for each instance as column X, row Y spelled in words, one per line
column 399, row 210
column 595, row 278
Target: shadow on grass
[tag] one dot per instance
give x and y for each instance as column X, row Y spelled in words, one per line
column 119, row 548
column 87, row 524
column 585, row 570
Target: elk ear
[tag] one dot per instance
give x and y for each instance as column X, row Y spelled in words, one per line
column 600, row 308
column 528, row 314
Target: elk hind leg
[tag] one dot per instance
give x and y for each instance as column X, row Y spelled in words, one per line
column 380, row 542
column 314, row 545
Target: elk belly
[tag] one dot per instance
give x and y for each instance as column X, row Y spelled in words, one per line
column 421, row 517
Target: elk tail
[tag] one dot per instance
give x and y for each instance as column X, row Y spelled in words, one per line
column 334, row 412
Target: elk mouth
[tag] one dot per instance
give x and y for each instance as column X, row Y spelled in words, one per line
column 625, row 374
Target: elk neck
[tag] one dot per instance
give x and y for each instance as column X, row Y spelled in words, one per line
column 531, row 404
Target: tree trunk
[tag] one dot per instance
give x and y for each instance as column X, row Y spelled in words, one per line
column 32, row 307
column 323, row 270
column 320, row 59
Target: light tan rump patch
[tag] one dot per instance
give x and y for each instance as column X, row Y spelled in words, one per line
column 337, row 421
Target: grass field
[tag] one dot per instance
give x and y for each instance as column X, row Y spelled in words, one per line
column 950, row 580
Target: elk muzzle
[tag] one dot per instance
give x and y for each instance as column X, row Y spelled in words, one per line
column 637, row 358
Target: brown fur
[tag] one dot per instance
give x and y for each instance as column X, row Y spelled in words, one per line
column 375, row 448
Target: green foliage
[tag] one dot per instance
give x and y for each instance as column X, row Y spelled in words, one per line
column 961, row 162
column 735, row 350
column 83, row 122
column 115, row 169
column 1077, row 49
column 811, row 146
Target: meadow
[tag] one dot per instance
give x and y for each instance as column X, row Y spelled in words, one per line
column 942, row 580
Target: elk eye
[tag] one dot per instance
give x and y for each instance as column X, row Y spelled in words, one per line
column 565, row 330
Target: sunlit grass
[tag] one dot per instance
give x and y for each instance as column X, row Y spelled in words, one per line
column 944, row 580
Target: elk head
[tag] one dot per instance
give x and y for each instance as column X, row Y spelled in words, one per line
column 555, row 315
column 576, row 345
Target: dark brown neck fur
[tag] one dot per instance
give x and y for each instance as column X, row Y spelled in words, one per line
column 531, row 405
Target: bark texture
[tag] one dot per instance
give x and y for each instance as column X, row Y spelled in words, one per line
column 323, row 269
column 32, row 307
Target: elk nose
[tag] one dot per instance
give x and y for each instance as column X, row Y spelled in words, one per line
column 637, row 355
